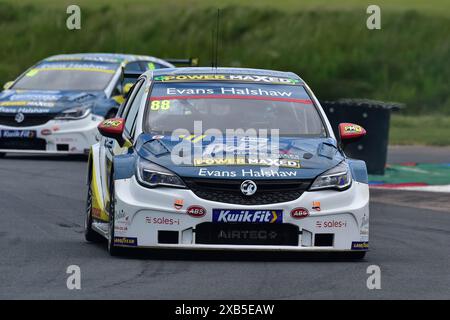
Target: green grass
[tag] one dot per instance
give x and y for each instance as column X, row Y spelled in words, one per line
column 325, row 42
column 435, row 7
column 424, row 130
column 429, row 173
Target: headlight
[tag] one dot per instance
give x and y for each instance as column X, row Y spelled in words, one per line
column 74, row 114
column 152, row 175
column 338, row 178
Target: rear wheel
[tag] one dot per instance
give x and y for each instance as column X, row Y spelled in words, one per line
column 89, row 234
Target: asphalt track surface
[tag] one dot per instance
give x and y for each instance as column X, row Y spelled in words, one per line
column 41, row 234
column 419, row 154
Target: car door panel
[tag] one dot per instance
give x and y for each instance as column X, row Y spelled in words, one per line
column 112, row 147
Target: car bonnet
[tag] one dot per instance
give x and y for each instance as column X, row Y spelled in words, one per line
column 293, row 157
column 36, row 101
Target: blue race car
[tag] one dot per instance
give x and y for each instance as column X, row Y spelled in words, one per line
column 56, row 105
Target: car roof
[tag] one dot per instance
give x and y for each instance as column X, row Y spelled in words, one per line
column 107, row 57
column 234, row 71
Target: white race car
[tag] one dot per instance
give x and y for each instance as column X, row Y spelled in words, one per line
column 226, row 159
column 55, row 106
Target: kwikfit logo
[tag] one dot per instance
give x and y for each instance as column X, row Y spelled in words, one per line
column 251, row 216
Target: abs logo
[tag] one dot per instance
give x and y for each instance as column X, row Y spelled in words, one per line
column 251, row 216
column 299, row 213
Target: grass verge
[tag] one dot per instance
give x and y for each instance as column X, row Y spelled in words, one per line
column 424, row 130
column 326, row 43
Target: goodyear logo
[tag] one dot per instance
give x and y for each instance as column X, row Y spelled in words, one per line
column 123, row 241
column 364, row 245
column 251, row 216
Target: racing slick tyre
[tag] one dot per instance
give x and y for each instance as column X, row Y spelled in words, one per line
column 89, row 234
column 2, row 154
column 112, row 249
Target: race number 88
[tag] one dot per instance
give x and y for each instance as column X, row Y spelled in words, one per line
column 160, row 105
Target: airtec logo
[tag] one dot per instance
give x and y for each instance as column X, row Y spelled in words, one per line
column 247, row 235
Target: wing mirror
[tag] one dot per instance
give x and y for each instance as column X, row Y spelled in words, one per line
column 113, row 128
column 349, row 133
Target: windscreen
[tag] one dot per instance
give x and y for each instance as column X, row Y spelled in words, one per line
column 231, row 105
column 68, row 75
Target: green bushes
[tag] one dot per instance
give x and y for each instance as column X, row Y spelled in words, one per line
column 407, row 61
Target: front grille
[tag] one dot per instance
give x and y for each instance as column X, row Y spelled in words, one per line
column 9, row 119
column 247, row 234
column 22, row 144
column 229, row 191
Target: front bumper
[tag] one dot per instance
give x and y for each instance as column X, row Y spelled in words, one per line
column 148, row 218
column 54, row 137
